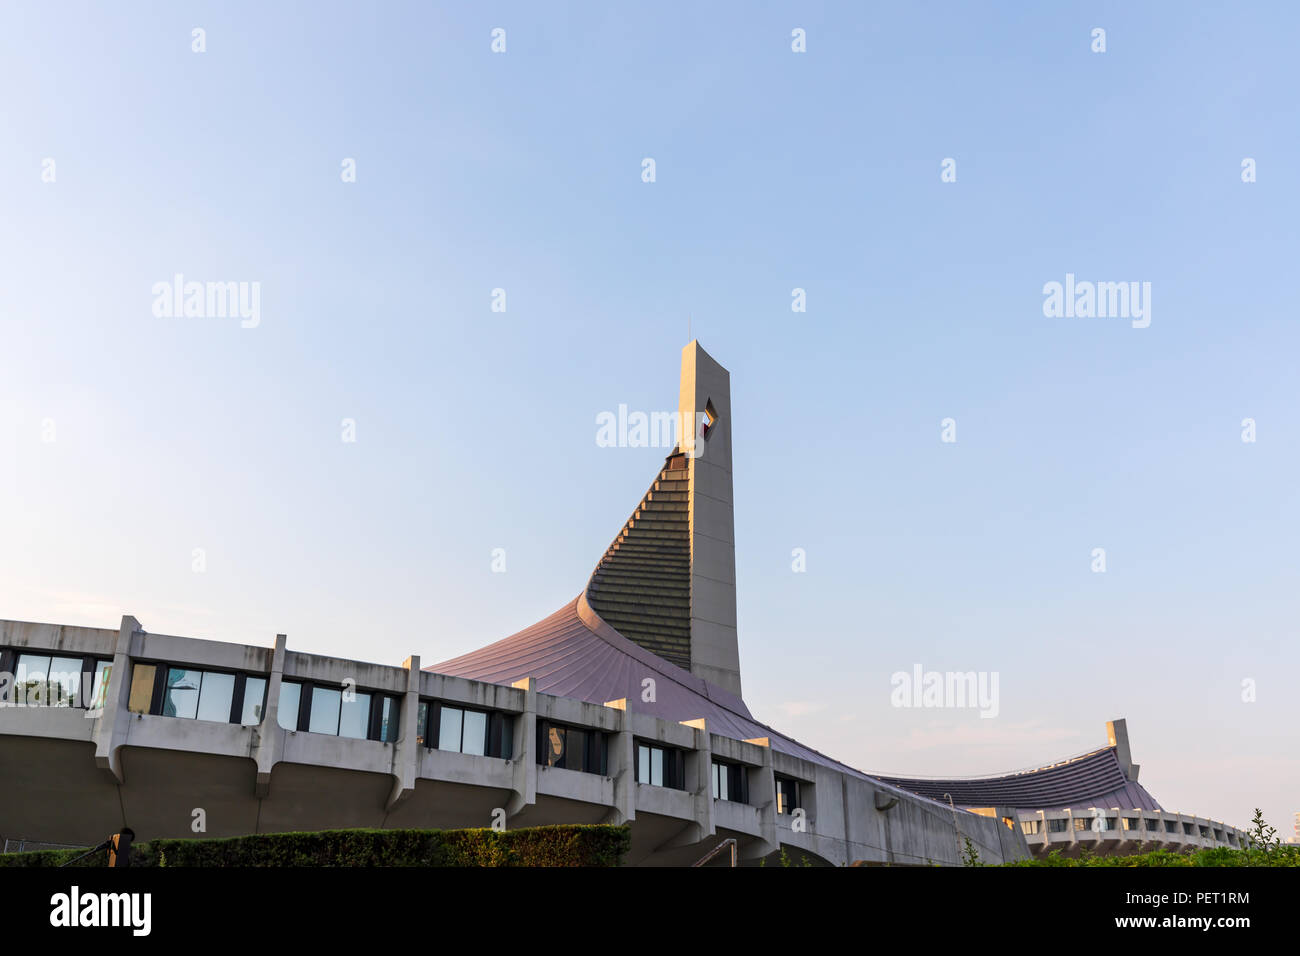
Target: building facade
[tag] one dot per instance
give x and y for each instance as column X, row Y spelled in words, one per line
column 623, row 706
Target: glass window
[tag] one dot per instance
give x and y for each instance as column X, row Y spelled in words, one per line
column 555, row 741
column 721, row 782
column 388, row 719
column 216, row 696
column 656, row 767
column 142, row 679
column 99, row 694
column 255, row 701
column 287, row 710
column 181, row 696
column 575, row 746
column 449, row 727
column 31, row 679
column 325, row 705
column 65, row 681
column 642, row 764
column 355, row 721
column 787, row 795
column 422, row 722
column 475, row 734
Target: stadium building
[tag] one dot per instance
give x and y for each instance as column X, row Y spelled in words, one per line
column 623, row 706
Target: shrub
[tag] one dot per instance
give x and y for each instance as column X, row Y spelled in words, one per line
column 530, row 846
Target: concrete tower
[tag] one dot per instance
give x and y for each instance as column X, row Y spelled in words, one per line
column 705, row 400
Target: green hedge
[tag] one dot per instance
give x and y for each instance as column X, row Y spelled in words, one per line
column 1218, row 856
column 530, row 846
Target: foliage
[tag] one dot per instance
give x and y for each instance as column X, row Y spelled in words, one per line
column 530, row 846
column 1260, row 847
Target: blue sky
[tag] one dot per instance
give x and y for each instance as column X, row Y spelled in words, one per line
column 774, row 170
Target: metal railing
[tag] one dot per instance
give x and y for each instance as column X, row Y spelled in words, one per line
column 729, row 842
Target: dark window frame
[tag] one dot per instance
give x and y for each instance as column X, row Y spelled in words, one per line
column 737, row 781
column 595, row 747
column 89, row 665
column 674, row 764
column 498, row 728
column 159, row 693
column 797, row 800
column 374, row 718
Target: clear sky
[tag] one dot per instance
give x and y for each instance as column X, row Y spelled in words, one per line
column 128, row 440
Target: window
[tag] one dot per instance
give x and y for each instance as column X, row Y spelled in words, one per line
column 388, row 718
column 1171, row 826
column 660, row 766
column 254, row 701
column 1130, row 823
column 355, row 719
column 1059, row 825
column 290, row 699
column 730, row 782
column 47, row 680
column 181, row 698
column 787, row 794
column 99, row 691
column 321, row 709
column 142, row 686
column 1187, row 828
column 171, row 691
column 571, row 748
column 479, row 733
column 1094, row 823
column 1152, row 824
column 1030, row 826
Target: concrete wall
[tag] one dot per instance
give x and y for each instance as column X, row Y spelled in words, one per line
column 73, row 776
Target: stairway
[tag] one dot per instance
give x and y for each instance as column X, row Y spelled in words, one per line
column 642, row 585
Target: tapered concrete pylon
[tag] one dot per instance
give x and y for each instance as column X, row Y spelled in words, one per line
column 705, row 404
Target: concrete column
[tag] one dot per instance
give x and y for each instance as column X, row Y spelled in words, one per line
column 699, row 783
column 524, row 791
column 406, row 752
column 270, row 735
column 114, row 722
column 762, row 796
column 622, row 765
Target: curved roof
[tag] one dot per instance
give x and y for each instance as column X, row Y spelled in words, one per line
column 574, row 653
column 1096, row 779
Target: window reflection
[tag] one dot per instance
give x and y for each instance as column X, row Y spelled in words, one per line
column 181, row 696
column 355, row 721
column 103, row 674
column 254, row 701
column 287, row 712
column 216, row 696
column 325, row 705
column 449, row 728
column 475, row 734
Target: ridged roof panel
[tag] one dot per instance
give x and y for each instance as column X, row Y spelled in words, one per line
column 1093, row 780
